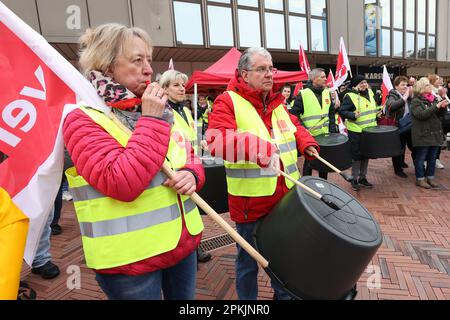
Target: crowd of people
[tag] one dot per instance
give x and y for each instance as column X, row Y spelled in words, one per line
column 140, row 229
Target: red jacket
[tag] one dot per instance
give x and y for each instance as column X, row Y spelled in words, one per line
column 124, row 173
column 249, row 209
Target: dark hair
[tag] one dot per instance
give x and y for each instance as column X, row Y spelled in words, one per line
column 399, row 79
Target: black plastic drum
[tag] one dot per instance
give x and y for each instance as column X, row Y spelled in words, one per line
column 336, row 149
column 214, row 192
column 380, row 142
column 315, row 251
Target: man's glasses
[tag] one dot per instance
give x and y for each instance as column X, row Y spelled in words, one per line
column 264, row 70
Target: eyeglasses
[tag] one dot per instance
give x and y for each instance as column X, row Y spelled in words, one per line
column 264, row 70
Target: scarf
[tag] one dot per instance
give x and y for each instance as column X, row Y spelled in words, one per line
column 125, row 105
column 429, row 96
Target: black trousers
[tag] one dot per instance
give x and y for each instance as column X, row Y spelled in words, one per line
column 307, row 170
column 398, row 161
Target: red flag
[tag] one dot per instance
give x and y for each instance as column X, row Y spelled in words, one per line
column 331, row 83
column 171, row 67
column 39, row 87
column 298, row 87
column 386, row 86
column 343, row 65
column 303, row 61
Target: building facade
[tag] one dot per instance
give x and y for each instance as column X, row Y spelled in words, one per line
column 409, row 36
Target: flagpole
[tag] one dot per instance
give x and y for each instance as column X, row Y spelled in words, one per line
column 195, row 115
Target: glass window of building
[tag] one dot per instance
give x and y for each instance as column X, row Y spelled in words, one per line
column 385, row 7
column 421, row 49
column 188, row 23
column 398, row 16
column 319, row 35
column 385, row 42
column 297, row 6
column 249, row 28
column 221, row 1
column 298, row 32
column 249, row 3
column 220, row 26
column 432, row 16
column 410, row 50
column 431, row 47
column 318, row 8
column 398, row 44
column 421, row 17
column 410, row 15
column 275, row 35
column 274, row 4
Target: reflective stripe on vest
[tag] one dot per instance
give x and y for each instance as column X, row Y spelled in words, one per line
column 247, row 178
column 133, row 223
column 116, row 233
column 368, row 112
column 315, row 116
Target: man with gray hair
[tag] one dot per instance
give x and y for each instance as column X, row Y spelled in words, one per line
column 251, row 129
column 315, row 108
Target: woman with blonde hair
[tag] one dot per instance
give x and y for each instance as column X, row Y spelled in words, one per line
column 426, row 132
column 140, row 230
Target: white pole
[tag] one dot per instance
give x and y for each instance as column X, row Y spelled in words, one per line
column 195, row 115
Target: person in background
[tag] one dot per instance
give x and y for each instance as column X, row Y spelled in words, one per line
column 360, row 110
column 426, row 132
column 397, row 106
column 437, row 82
column 174, row 82
column 286, row 92
column 316, row 111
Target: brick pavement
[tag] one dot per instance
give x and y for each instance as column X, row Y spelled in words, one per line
column 414, row 259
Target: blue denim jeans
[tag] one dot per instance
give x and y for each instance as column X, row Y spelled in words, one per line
column 247, row 269
column 43, row 251
column 176, row 283
column 429, row 155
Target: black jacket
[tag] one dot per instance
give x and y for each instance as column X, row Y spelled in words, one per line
column 395, row 105
column 298, row 107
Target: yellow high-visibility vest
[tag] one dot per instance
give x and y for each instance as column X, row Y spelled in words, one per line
column 246, row 178
column 315, row 117
column 368, row 112
column 115, row 233
column 188, row 128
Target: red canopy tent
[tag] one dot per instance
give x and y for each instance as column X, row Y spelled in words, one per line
column 220, row 73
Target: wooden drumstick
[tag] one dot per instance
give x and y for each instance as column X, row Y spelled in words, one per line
column 317, row 195
column 221, row 222
column 342, row 173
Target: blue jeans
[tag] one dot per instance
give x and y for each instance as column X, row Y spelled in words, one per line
column 247, row 269
column 176, row 283
column 423, row 154
column 43, row 251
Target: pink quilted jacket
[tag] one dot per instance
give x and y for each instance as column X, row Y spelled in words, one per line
column 124, row 173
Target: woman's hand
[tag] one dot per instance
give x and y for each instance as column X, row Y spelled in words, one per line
column 154, row 100
column 443, row 104
column 183, row 182
column 311, row 151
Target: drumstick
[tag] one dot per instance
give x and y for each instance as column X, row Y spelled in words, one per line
column 342, row 173
column 317, row 195
column 221, row 222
